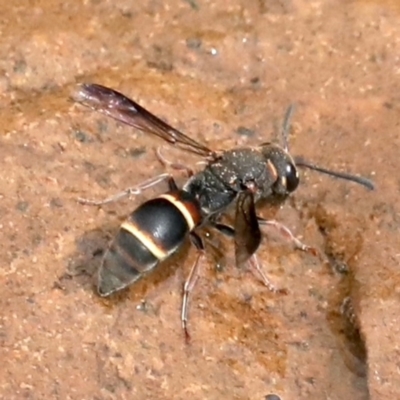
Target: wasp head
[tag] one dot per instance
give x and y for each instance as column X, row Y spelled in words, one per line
column 282, row 167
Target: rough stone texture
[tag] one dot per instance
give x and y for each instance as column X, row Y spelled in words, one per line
column 214, row 69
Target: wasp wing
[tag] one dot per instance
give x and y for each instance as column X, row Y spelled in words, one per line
column 247, row 230
column 117, row 106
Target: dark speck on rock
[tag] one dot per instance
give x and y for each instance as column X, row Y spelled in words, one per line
column 56, row 202
column 127, row 14
column 193, row 43
column 137, row 152
column 247, row 298
column 216, row 126
column 20, row 66
column 102, row 127
column 388, row 105
column 193, row 4
column 81, row 136
column 22, row 206
column 88, row 166
column 162, row 65
column 242, row 131
column 98, row 252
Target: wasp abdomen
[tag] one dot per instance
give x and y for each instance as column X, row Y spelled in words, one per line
column 124, row 262
column 152, row 232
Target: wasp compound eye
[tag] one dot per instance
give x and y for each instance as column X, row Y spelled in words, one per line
column 292, row 178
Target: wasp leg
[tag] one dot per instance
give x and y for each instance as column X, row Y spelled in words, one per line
column 191, row 282
column 225, row 229
column 216, row 249
column 134, row 190
column 173, row 165
column 254, row 263
column 286, row 232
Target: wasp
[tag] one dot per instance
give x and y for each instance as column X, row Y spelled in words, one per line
column 159, row 227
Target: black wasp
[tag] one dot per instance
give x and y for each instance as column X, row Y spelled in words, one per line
column 159, row 227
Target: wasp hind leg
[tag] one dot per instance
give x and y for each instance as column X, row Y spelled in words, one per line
column 173, row 165
column 191, row 282
column 132, row 191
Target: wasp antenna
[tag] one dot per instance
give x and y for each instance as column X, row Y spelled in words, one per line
column 286, row 125
column 341, row 175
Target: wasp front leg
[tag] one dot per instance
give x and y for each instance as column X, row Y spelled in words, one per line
column 251, row 261
column 287, row 233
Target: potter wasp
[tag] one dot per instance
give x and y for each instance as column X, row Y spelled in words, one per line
column 158, row 228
